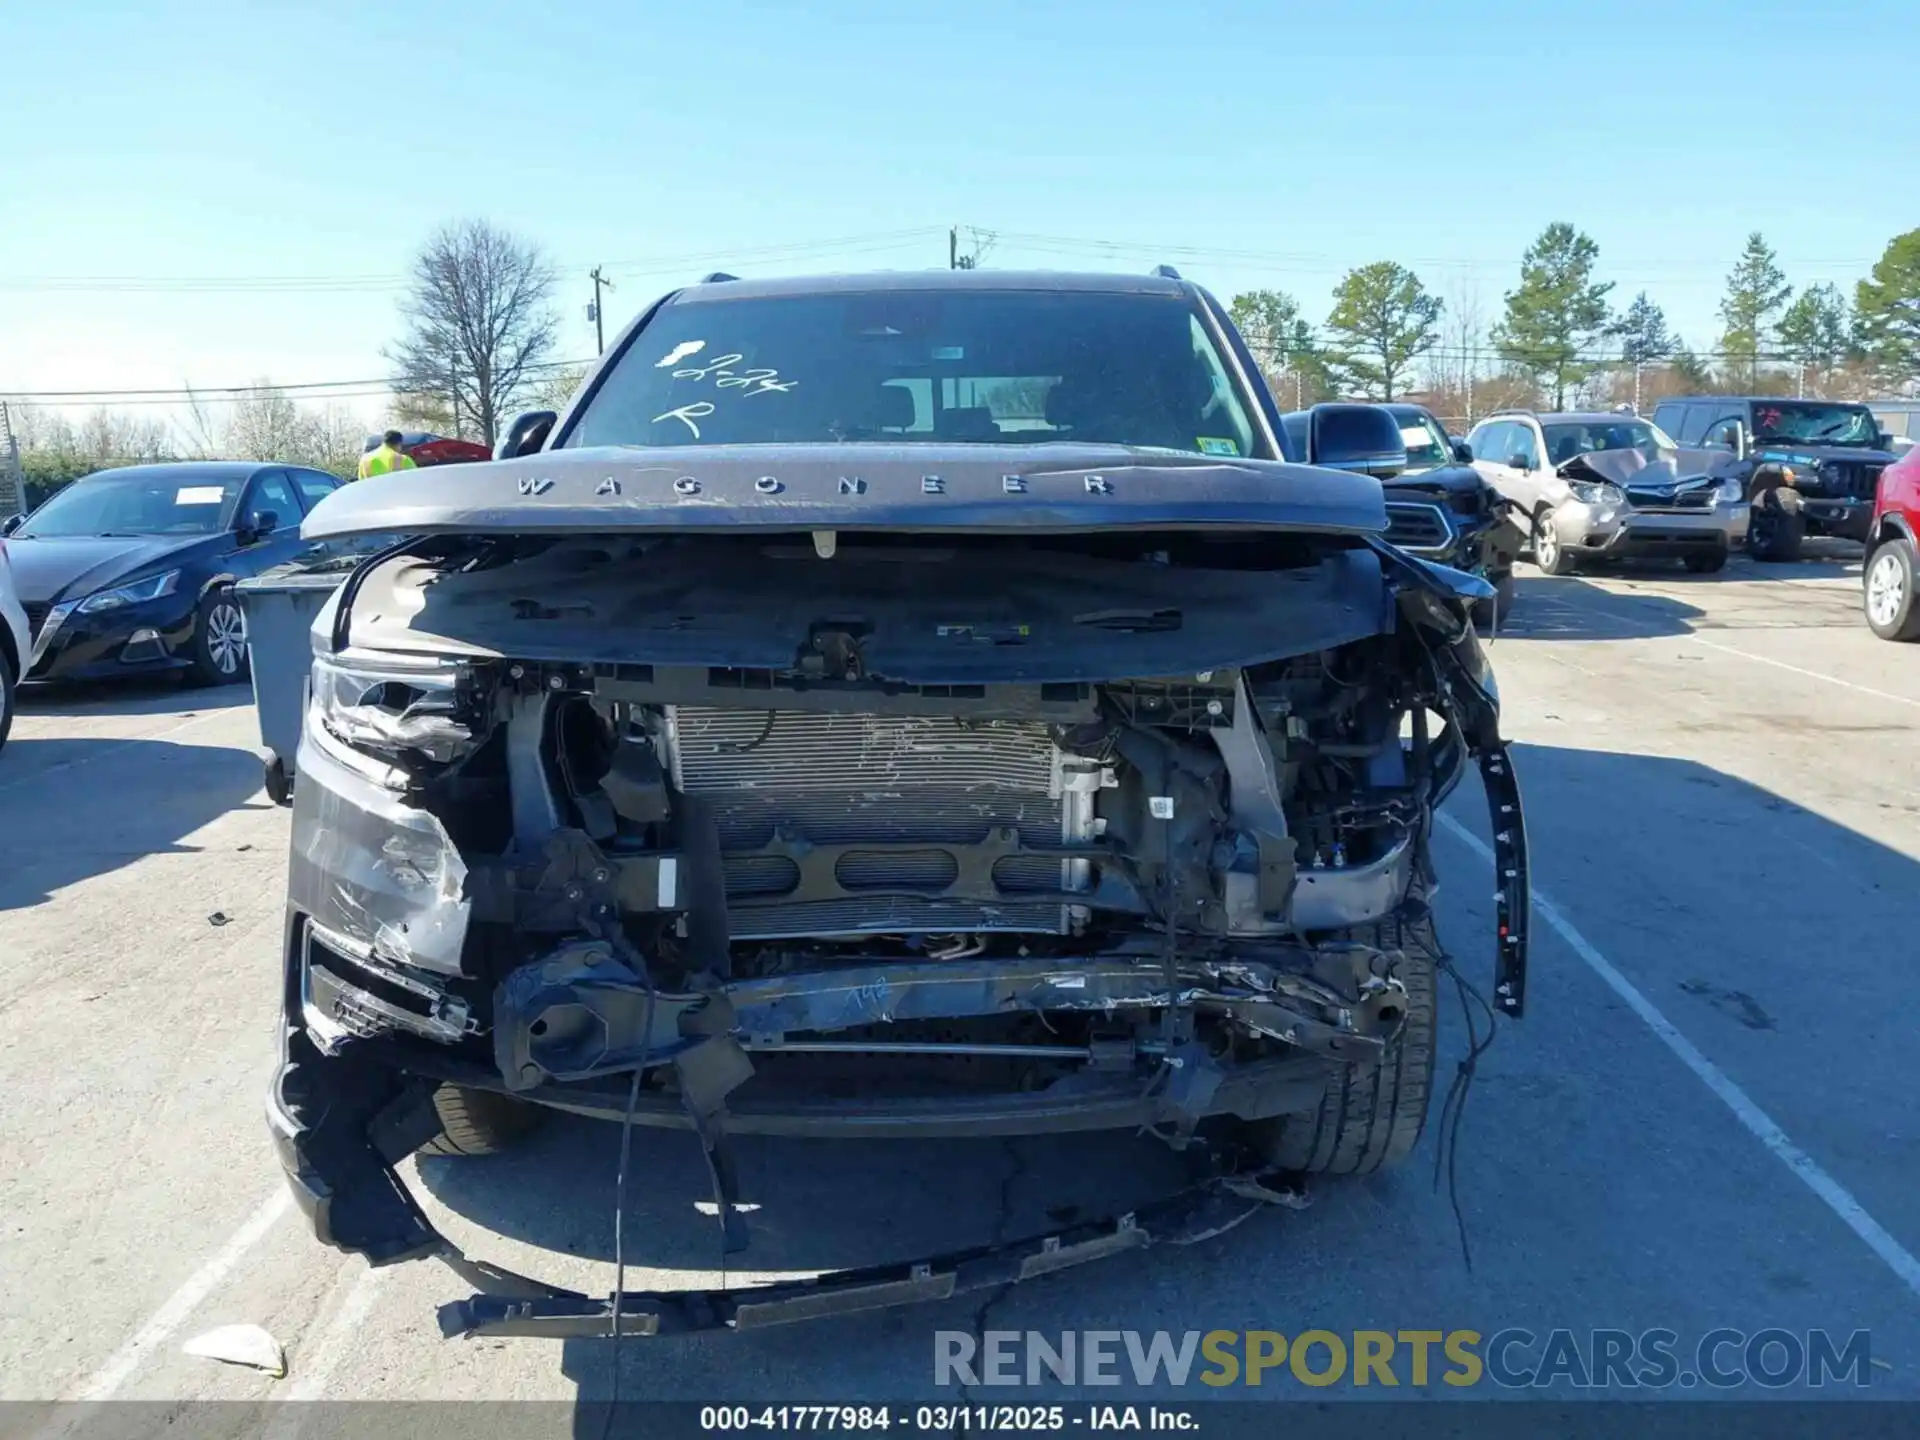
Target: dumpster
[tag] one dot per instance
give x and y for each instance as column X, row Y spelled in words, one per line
column 280, row 606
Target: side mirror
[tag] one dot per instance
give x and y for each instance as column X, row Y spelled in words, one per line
column 14, row 522
column 260, row 525
column 1363, row 438
column 1520, row 460
column 1463, row 452
column 525, row 435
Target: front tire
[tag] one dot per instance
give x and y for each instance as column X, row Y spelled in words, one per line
column 1710, row 563
column 1775, row 535
column 1372, row 1114
column 480, row 1122
column 1548, row 553
column 1887, row 592
column 219, row 639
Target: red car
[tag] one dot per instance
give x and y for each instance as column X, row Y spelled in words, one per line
column 1892, row 557
column 429, row 449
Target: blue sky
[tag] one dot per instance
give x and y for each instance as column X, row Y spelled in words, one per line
column 1249, row 144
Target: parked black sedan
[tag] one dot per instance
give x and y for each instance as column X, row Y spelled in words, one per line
column 132, row 570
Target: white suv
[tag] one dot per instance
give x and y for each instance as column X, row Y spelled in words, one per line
column 1607, row 485
column 13, row 642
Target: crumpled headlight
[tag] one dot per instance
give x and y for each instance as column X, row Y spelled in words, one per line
column 133, row 593
column 391, row 709
column 1729, row 492
column 1606, row 501
column 1596, row 492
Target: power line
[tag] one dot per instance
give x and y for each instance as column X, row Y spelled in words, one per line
column 166, row 394
column 866, row 242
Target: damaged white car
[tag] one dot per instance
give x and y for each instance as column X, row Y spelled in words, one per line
column 918, row 705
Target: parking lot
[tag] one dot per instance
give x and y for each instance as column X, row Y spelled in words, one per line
column 1705, row 1120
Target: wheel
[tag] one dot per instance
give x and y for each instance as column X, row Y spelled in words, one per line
column 1490, row 616
column 219, row 639
column 1774, row 534
column 1372, row 1114
column 1709, row 563
column 1548, row 553
column 7, row 686
column 479, row 1122
column 278, row 782
column 1888, row 593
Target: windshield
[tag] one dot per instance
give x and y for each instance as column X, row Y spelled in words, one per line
column 956, row 367
column 1426, row 442
column 135, row 504
column 1566, row 439
column 1803, row 420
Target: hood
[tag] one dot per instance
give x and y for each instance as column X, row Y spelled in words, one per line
column 909, row 488
column 1441, row 480
column 1664, row 482
column 61, row 568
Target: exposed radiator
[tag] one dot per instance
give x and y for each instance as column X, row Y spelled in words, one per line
column 952, row 790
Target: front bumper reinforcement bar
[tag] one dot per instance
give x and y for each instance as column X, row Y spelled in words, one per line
column 526, row 1308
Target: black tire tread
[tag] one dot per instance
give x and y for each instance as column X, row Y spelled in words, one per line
column 479, row 1122
column 1372, row 1115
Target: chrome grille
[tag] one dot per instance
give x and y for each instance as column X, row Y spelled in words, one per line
column 1417, row 525
column 935, row 783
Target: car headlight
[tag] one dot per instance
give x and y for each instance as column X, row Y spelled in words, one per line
column 389, row 709
column 1729, row 492
column 1596, row 492
column 133, row 593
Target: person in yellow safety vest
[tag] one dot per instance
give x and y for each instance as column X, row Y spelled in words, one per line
column 385, row 456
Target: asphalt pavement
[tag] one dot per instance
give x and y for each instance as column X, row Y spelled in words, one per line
column 1705, row 1120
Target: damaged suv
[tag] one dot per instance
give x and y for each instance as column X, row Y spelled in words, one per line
column 892, row 706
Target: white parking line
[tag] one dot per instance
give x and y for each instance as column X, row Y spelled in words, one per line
column 104, row 1382
column 1832, row 1193
column 1810, row 674
column 313, row 1364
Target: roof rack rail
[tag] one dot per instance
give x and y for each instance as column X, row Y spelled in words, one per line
column 1166, row 272
column 716, row 277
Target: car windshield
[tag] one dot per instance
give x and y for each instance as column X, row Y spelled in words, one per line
column 1568, row 438
column 179, row 503
column 1426, row 443
column 1828, row 424
column 991, row 367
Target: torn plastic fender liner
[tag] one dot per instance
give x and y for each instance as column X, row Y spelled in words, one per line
column 1467, row 678
column 1513, row 891
column 1191, row 1216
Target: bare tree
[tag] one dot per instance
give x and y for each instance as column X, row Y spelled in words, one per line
column 266, row 425
column 479, row 318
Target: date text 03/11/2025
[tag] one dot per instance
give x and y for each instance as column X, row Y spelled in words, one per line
column 945, row 1419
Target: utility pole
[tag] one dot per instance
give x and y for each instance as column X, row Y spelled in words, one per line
column 953, row 247
column 596, row 310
